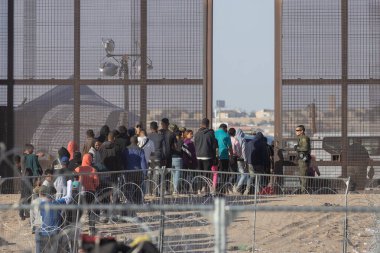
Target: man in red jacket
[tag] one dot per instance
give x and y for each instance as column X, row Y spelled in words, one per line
column 89, row 181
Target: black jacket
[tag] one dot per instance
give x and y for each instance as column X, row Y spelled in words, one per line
column 256, row 151
column 205, row 143
column 108, row 154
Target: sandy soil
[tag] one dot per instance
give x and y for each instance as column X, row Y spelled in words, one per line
column 263, row 231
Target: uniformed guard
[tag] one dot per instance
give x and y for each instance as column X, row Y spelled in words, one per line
column 303, row 150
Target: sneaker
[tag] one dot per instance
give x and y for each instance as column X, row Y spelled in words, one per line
column 235, row 190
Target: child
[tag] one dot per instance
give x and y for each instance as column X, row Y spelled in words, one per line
column 188, row 155
column 60, row 181
column 26, row 192
column 48, row 178
column 47, row 234
column 35, row 216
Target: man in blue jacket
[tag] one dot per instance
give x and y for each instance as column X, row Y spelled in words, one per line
column 133, row 158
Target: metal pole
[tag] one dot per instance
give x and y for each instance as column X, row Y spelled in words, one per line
column 124, row 64
column 254, row 215
column 162, row 212
column 77, row 220
column 345, row 223
column 220, row 225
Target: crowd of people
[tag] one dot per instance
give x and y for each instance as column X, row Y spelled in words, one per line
column 139, row 160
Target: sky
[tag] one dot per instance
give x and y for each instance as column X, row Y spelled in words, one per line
column 243, row 64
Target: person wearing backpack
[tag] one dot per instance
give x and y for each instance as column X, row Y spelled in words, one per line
column 148, row 146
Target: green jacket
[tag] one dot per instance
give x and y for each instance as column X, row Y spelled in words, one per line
column 303, row 144
column 31, row 161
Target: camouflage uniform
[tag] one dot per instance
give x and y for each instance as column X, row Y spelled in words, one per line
column 303, row 150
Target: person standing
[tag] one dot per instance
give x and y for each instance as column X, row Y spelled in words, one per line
column 224, row 153
column 26, row 192
column 188, row 155
column 157, row 156
column 257, row 157
column 90, row 182
column 303, row 149
column 75, row 162
column 108, row 153
column 205, row 147
column 358, row 161
column 72, row 147
column 148, row 146
column 236, row 154
column 177, row 162
column 169, row 142
column 90, row 140
column 47, row 235
column 31, row 160
column 134, row 162
column 103, row 133
column 61, row 178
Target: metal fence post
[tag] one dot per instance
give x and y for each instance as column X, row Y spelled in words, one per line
column 254, row 213
column 220, row 225
column 162, row 212
column 345, row 223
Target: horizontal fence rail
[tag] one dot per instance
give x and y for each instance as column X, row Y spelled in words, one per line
column 201, row 211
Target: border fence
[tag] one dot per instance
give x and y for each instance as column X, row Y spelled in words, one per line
column 204, row 217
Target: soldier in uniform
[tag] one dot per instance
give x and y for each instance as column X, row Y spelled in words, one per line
column 303, row 152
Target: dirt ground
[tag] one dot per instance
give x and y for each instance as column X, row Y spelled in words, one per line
column 261, row 231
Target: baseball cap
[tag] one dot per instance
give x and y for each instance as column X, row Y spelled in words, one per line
column 64, row 160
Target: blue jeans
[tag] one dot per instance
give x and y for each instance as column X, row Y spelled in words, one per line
column 177, row 164
column 45, row 243
column 242, row 177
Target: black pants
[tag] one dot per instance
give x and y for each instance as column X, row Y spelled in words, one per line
column 224, row 165
column 89, row 198
column 204, row 165
column 24, row 213
column 133, row 187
